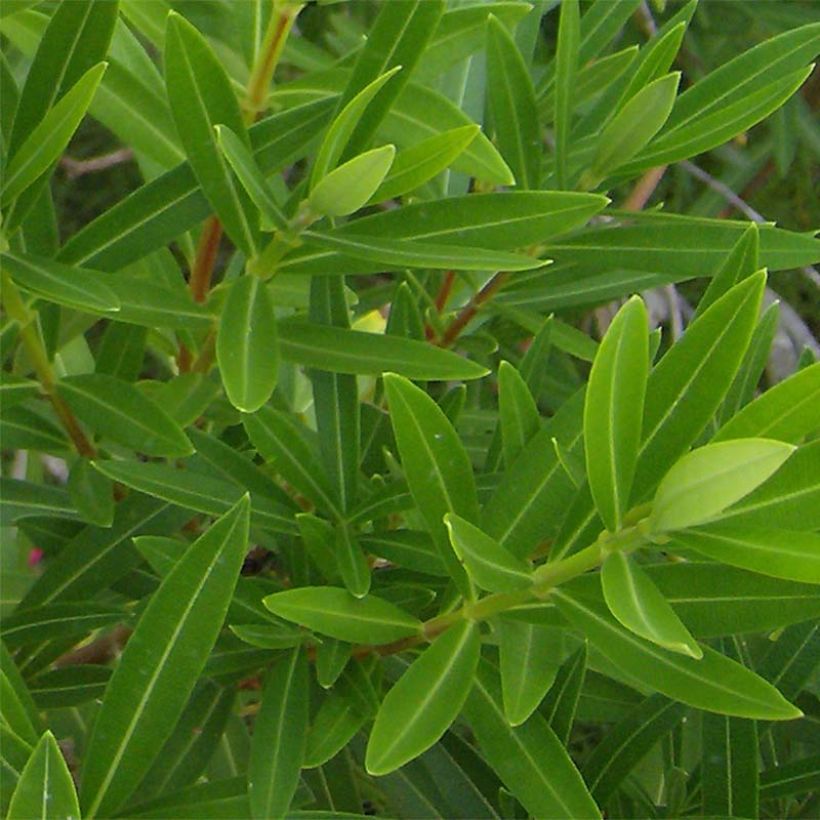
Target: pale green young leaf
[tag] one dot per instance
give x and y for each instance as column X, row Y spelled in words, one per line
column 566, row 68
column 779, row 553
column 613, row 411
column 117, row 410
column 787, row 412
column 161, row 663
column 347, row 188
column 518, row 414
column 352, row 562
column 419, row 163
column 490, row 565
column 638, row 604
column 530, row 656
column 337, row 613
column 278, row 744
column 45, row 788
column 713, row 682
column 244, row 165
column 353, row 351
column 427, row 698
column 530, row 760
column 47, row 141
column 247, row 348
column 73, row 287
column 342, row 127
column 511, row 100
column 435, row 463
column 708, row 480
column 91, row 493
column 201, row 96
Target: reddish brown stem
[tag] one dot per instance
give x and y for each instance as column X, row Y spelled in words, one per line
column 69, row 421
column 206, row 251
column 461, row 321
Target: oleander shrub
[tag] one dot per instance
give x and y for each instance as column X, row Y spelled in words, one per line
column 348, row 465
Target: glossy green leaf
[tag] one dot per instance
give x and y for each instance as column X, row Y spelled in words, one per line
column 116, row 409
column 23, row 499
column 419, row 163
column 353, row 351
column 47, row 141
column 408, row 548
column 73, row 287
column 347, row 188
column 708, row 480
column 511, row 100
column 713, row 683
column 278, row 744
column 415, row 254
column 201, row 96
column 18, row 709
column 244, row 165
column 224, row 799
column 162, row 661
column 425, row 700
column 566, row 68
column 613, row 411
column 342, row 127
column 337, row 613
column 530, row 657
column 775, row 552
column 636, row 602
column 91, row 493
column 352, row 562
column 331, row 658
column 531, row 761
column 435, row 463
column 45, row 788
column 247, row 344
column 336, row 722
column 27, row 626
column 268, row 636
column 786, row 412
column 561, row 702
column 518, row 414
column 71, row 686
column 490, row 565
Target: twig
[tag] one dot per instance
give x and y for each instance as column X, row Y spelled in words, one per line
column 644, row 188
column 79, row 167
column 461, row 321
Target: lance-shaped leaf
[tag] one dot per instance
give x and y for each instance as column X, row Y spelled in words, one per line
column 436, row 465
column 419, row 163
column 279, row 734
column 415, row 254
column 116, row 409
column 531, row 761
column 19, row 711
column 561, row 702
column 353, row 351
column 32, row 624
column 335, row 612
column 638, row 604
column 352, row 562
column 713, row 683
column 633, row 127
column 566, row 68
column 343, row 125
column 336, row 722
column 519, row 417
column 708, row 480
column 776, row 552
column 161, row 663
column 347, row 188
column 613, row 411
column 200, row 95
column 247, row 347
column 62, row 284
column 48, row 140
column 490, row 565
column 91, row 493
column 530, row 655
column 512, row 106
column 45, row 788
column 243, row 163
column 425, row 700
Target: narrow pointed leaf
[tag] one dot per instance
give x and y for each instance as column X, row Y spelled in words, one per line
column 561, row 703
column 708, row 480
column 45, row 788
column 638, row 604
column 566, row 68
column 91, row 493
column 713, row 683
column 335, row 612
column 613, row 411
column 201, row 96
column 490, row 565
column 427, row 698
column 336, row 722
column 352, row 562
column 161, row 663
column 278, row 744
column 247, row 347
column 519, row 417
column 48, row 140
column 116, row 409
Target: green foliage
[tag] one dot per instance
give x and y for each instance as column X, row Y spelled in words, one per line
column 320, row 496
